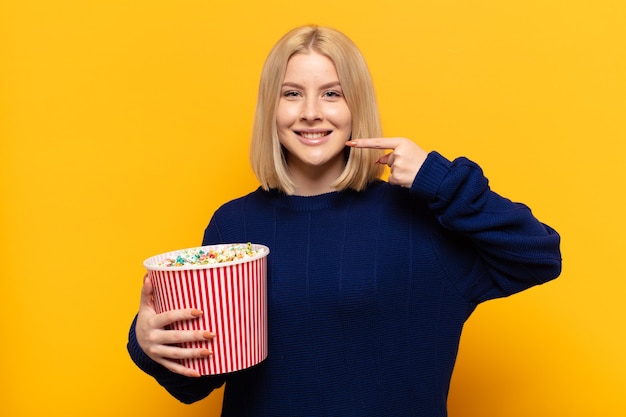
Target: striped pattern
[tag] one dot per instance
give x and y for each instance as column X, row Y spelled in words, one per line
column 234, row 301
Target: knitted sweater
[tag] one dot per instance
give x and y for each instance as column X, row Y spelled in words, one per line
column 368, row 291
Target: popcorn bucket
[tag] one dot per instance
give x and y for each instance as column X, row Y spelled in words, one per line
column 232, row 296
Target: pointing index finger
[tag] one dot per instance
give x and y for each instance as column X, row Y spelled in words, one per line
column 374, row 143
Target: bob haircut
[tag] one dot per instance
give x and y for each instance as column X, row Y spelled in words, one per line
column 266, row 153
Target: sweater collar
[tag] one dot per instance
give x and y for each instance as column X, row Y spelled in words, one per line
column 306, row 203
column 314, row 202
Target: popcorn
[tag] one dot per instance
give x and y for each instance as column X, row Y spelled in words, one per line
column 203, row 256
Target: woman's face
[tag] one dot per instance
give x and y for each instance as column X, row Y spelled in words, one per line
column 313, row 119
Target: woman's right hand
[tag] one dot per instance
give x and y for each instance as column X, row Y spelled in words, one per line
column 158, row 342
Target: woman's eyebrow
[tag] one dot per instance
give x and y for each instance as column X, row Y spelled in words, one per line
column 323, row 86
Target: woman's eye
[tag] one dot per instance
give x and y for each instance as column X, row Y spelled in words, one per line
column 332, row 94
column 290, row 93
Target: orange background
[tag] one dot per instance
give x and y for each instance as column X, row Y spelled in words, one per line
column 124, row 124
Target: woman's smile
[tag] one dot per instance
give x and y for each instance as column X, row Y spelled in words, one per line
column 314, row 137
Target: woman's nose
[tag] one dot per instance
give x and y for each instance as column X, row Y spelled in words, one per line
column 311, row 109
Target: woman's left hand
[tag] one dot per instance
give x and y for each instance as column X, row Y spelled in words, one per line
column 404, row 160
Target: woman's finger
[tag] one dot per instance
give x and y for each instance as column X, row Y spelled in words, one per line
column 169, row 337
column 386, row 159
column 178, row 368
column 375, row 143
column 168, row 317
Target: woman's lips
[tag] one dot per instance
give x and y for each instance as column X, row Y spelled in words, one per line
column 313, row 138
column 313, row 135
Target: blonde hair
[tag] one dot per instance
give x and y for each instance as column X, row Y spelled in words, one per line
column 266, row 153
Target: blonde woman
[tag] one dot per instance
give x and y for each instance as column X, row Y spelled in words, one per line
column 369, row 281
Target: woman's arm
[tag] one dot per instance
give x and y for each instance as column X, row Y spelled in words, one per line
column 496, row 247
column 152, row 346
column 506, row 249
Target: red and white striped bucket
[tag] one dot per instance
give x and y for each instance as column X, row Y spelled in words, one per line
column 233, row 298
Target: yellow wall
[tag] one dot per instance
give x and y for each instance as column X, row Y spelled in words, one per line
column 124, row 124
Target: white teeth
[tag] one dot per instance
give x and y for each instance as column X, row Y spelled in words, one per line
column 312, row 135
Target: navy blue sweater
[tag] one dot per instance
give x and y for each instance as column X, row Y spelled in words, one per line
column 368, row 291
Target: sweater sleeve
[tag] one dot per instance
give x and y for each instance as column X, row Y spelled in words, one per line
column 504, row 248
column 185, row 389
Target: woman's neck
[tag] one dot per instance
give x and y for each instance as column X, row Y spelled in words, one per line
column 315, row 180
